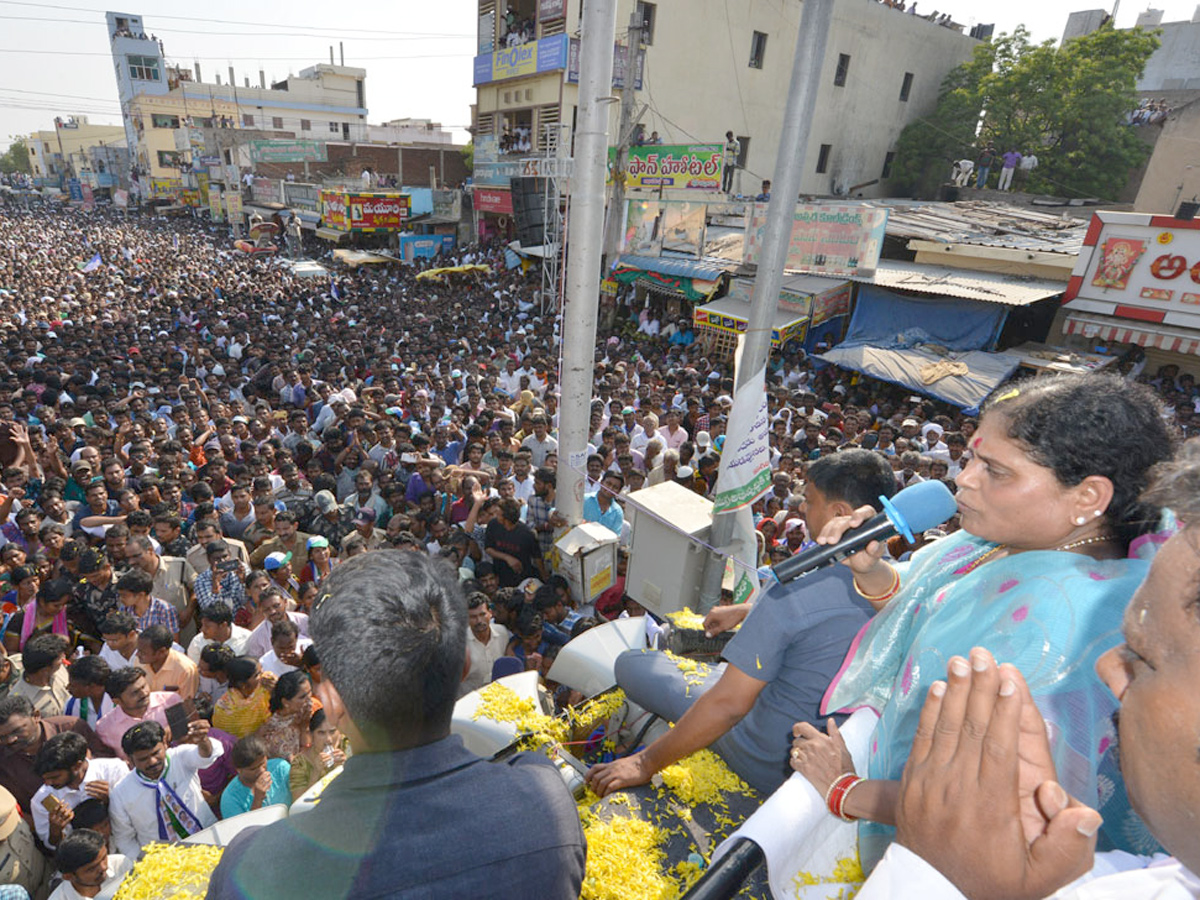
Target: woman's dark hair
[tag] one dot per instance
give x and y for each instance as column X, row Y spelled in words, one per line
column 240, row 669
column 287, row 687
column 247, row 751
column 317, row 720
column 217, row 656
column 20, row 573
column 1082, row 425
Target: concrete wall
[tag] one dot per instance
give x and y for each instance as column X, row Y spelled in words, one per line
column 1173, row 173
column 1175, row 64
column 1085, row 21
column 698, row 83
column 409, row 164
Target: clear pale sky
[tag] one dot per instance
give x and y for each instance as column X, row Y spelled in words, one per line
column 417, row 52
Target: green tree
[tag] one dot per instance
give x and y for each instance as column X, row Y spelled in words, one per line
column 1066, row 104
column 929, row 147
column 468, row 155
column 16, row 159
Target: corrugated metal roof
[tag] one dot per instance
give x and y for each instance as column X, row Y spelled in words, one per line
column 988, row 224
column 986, row 286
column 703, row 269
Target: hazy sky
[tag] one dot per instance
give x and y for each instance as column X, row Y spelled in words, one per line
column 54, row 57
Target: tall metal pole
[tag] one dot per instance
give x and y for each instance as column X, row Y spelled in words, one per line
column 616, row 207
column 583, row 252
column 815, row 22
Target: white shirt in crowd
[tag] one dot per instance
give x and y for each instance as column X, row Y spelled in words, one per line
column 133, row 805
column 237, row 642
column 110, row 770
column 272, row 663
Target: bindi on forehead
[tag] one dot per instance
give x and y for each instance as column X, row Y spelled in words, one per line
column 975, row 443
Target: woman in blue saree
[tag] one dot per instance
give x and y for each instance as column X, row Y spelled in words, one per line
column 1054, row 542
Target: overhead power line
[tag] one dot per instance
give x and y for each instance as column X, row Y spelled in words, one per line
column 357, row 37
column 323, row 28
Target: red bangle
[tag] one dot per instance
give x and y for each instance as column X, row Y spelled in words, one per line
column 835, row 799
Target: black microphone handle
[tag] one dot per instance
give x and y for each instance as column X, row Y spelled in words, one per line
column 877, row 528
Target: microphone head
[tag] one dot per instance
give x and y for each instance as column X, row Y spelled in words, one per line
column 920, row 506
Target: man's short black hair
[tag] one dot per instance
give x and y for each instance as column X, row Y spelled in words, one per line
column 120, row 680
column 88, row 814
column 545, row 598
column 90, row 670
column 136, row 582
column 391, row 629
column 61, row 752
column 42, row 652
column 118, row 623
column 78, row 849
column 145, row 735
column 15, row 706
column 159, row 637
column 217, row 612
column 856, row 477
column 476, row 599
column 284, row 628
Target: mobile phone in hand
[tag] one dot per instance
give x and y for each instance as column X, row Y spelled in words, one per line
column 177, row 721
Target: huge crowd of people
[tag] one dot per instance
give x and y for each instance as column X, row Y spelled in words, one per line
column 196, row 446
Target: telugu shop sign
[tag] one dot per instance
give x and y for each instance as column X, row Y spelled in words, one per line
column 357, row 211
column 826, row 240
column 695, row 167
column 287, row 151
column 1139, row 266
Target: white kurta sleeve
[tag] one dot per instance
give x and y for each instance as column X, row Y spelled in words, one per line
column 902, row 875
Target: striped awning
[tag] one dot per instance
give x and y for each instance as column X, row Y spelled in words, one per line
column 1125, row 331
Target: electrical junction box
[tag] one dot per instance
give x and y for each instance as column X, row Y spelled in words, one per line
column 670, row 526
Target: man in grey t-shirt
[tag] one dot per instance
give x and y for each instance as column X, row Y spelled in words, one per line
column 778, row 665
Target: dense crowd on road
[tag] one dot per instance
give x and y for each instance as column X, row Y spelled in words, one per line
column 192, row 440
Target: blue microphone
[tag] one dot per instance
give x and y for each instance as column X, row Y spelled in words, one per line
column 912, row 511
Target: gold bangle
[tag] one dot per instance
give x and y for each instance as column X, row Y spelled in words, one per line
column 892, row 590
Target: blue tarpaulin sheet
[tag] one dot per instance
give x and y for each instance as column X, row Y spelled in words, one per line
column 885, row 319
column 911, row 369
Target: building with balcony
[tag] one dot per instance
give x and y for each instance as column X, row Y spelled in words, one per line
column 323, row 102
column 58, row 153
column 711, row 66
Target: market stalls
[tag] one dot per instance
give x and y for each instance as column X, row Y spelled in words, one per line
column 811, row 310
column 938, row 331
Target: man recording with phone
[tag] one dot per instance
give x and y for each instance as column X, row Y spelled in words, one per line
column 223, row 582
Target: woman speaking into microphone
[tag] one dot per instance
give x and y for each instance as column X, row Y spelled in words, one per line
column 1054, row 541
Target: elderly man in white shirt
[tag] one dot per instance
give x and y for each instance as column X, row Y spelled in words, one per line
column 69, row 775
column 161, row 799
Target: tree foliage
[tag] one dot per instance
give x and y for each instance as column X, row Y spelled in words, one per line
column 16, row 159
column 468, row 155
column 1067, row 104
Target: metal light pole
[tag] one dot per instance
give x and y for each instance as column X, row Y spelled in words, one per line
column 586, row 229
column 811, row 41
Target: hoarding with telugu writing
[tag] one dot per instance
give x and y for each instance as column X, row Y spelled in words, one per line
column 1139, row 266
column 362, row 211
column 695, row 167
column 826, row 240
